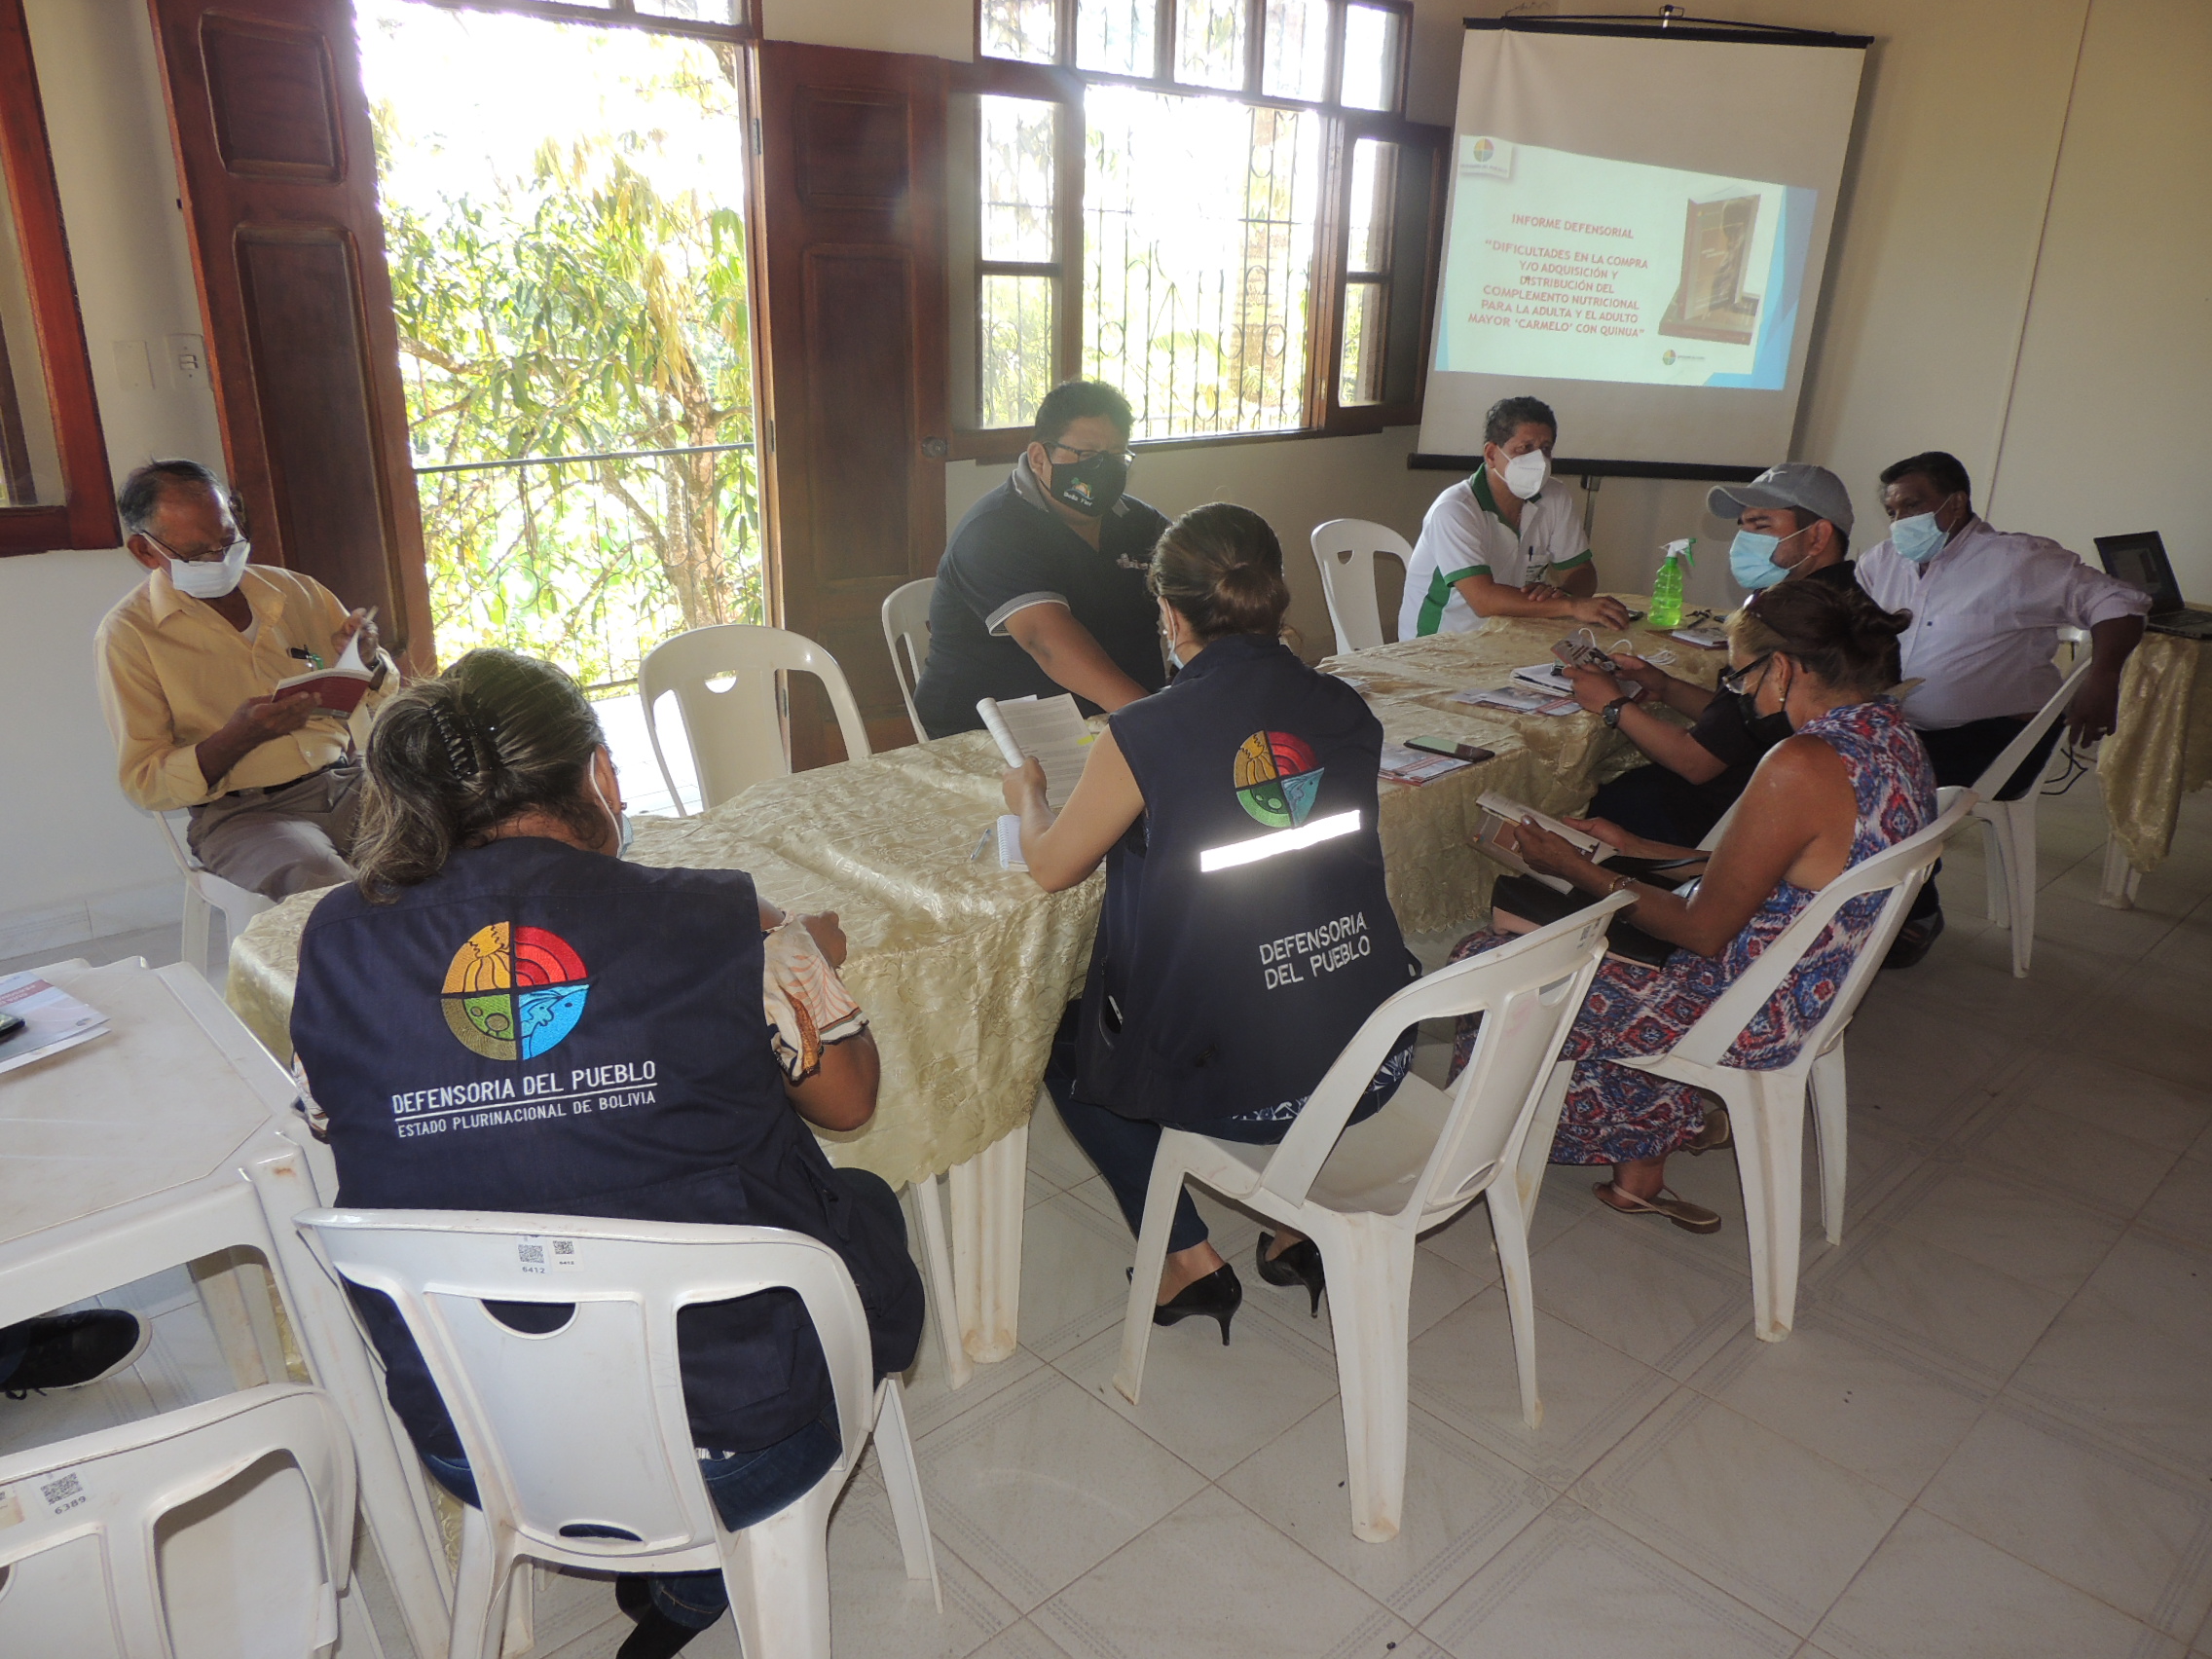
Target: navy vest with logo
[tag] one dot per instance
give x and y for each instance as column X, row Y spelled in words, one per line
column 1218, row 993
column 540, row 1028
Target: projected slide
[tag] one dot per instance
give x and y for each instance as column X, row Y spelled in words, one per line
column 1567, row 267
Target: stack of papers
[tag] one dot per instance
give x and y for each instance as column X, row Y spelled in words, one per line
column 1403, row 765
column 1710, row 639
column 1009, row 838
column 1518, row 702
column 1047, row 730
column 53, row 1019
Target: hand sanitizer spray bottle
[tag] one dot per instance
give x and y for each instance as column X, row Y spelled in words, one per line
column 1667, row 585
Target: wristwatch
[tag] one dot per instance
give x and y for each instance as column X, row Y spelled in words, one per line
column 1610, row 714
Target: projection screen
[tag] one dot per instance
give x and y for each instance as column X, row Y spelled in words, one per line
column 1636, row 233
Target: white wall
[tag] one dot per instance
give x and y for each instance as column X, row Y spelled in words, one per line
column 2116, row 363
column 75, row 860
column 2023, row 275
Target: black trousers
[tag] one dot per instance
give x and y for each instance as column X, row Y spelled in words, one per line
column 1664, row 806
column 1960, row 754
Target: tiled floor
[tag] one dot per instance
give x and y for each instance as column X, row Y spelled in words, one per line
column 1991, row 1433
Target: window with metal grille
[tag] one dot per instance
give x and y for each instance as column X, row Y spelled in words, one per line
column 1218, row 205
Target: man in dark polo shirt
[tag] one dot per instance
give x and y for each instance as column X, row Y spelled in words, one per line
column 1794, row 525
column 1042, row 587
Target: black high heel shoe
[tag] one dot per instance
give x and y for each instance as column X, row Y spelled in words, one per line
column 1299, row 1264
column 1217, row 1296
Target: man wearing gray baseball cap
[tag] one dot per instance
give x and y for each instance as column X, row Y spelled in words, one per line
column 1790, row 520
column 1796, row 526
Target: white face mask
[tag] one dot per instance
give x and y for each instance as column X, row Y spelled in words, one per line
column 209, row 578
column 624, row 835
column 1524, row 474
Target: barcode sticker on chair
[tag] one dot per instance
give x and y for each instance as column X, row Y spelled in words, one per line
column 540, row 1255
column 64, row 1492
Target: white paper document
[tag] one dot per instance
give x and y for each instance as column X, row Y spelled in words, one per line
column 1522, row 701
column 53, row 1019
column 1048, row 730
column 1403, row 765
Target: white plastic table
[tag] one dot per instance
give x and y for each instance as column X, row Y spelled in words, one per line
column 164, row 1142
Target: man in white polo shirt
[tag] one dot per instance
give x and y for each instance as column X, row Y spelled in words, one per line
column 1506, row 541
column 1986, row 609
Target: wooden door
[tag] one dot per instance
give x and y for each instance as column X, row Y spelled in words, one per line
column 850, row 194
column 274, row 150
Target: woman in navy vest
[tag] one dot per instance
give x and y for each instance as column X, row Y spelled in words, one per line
column 501, row 1014
column 1221, row 988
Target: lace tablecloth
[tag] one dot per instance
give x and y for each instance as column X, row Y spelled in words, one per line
column 964, row 967
column 2161, row 748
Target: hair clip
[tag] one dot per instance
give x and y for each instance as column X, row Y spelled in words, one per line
column 461, row 754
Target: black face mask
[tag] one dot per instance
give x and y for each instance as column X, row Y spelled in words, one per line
column 1763, row 729
column 1091, row 487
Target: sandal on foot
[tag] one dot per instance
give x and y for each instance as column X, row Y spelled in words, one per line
column 1717, row 1136
column 1690, row 1217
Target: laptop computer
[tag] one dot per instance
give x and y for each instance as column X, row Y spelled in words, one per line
column 2140, row 561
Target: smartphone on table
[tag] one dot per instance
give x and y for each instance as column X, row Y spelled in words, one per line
column 1451, row 747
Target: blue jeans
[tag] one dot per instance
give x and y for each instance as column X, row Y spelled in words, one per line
column 747, row 1486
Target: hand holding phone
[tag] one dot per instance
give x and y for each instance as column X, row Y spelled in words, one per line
column 1580, row 650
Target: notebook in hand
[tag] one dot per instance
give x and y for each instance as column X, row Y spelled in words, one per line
column 339, row 687
column 1498, row 811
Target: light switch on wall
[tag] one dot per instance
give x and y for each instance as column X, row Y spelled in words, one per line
column 188, row 357
column 133, row 369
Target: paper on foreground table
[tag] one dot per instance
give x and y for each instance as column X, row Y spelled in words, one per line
column 53, row 1019
column 1403, row 765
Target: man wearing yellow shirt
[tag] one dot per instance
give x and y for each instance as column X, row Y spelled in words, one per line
column 188, row 662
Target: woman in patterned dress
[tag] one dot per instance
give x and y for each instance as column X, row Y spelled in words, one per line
column 1851, row 779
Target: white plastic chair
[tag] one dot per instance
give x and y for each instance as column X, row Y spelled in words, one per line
column 2009, row 827
column 1345, row 550
column 737, row 733
column 206, row 893
column 80, row 1572
column 1766, row 1109
column 906, row 630
column 1362, row 1193
column 587, row 1425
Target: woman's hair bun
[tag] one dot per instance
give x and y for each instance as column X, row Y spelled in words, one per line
column 1220, row 566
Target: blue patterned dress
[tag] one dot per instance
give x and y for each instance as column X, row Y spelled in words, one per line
column 1616, row 1114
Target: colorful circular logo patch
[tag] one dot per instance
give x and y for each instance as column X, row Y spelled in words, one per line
column 512, row 993
column 1277, row 778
